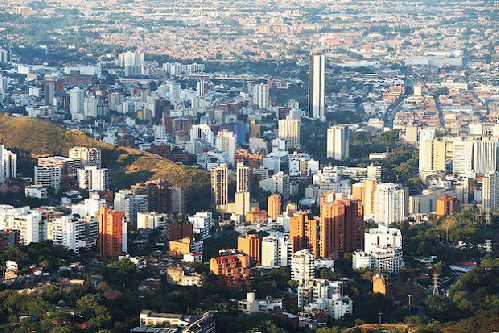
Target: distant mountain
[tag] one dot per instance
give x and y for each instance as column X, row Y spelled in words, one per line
column 126, row 166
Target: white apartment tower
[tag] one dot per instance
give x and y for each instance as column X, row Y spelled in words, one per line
column 76, row 102
column 226, row 142
column 261, row 95
column 91, row 178
column 338, row 142
column 85, row 156
column 390, row 203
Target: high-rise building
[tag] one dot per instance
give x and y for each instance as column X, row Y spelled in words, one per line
column 129, row 203
column 274, row 206
column 424, row 135
column 132, row 63
column 90, row 103
column 49, row 84
column 91, row 178
column 447, row 205
column 178, row 200
column 462, row 159
column 261, row 95
column 159, row 195
column 232, row 268
column 302, row 266
column 113, row 232
column 485, row 155
column 289, row 130
column 252, row 246
column 304, row 233
column 275, row 251
column 76, row 102
column 242, row 203
column 48, row 176
column 490, row 191
column 316, row 96
column 219, row 187
column 391, row 203
column 338, row 142
column 242, row 178
column 369, row 201
column 433, row 155
column 85, row 156
column 75, row 233
column 341, row 226
column 226, row 142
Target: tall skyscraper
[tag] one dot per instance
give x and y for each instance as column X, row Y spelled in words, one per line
column 462, row 159
column 338, row 142
column 485, row 155
column 112, row 241
column 242, row 178
column 316, row 97
column 341, row 226
column 219, row 187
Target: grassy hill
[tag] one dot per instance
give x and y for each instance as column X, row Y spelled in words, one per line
column 126, row 166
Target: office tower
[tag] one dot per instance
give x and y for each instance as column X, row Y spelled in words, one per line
column 252, row 246
column 424, row 135
column 129, row 203
column 261, row 95
column 132, row 63
column 159, row 195
column 242, row 203
column 274, row 206
column 91, row 178
column 226, row 142
column 289, row 130
column 76, row 101
column 462, row 159
column 338, row 142
column 112, row 241
column 85, row 156
column 219, row 187
column 341, row 226
column 485, row 155
column 304, row 233
column 391, row 203
column 316, row 97
column 490, row 191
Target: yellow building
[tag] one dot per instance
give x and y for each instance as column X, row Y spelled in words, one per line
column 181, row 246
column 252, row 246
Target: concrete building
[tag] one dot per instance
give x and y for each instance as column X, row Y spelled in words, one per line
column 304, row 233
column 302, row 266
column 338, row 146
column 113, row 232
column 289, row 130
column 86, row 156
column 316, row 84
column 391, row 203
column 260, row 93
column 151, row 220
column 490, row 191
column 202, row 224
column 324, row 295
column 251, row 245
column 48, row 176
column 75, row 233
column 91, row 178
column 130, row 204
column 225, row 141
column 219, row 187
column 276, row 251
column 274, row 206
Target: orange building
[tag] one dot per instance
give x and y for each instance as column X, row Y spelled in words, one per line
column 257, row 216
column 274, row 206
column 341, row 226
column 304, row 233
column 447, row 205
column 233, row 269
column 252, row 246
column 381, row 284
column 112, row 234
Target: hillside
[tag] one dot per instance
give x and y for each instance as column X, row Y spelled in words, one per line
column 126, row 166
